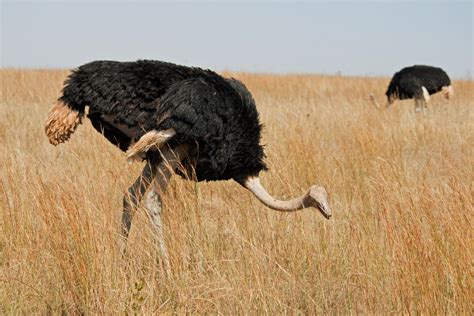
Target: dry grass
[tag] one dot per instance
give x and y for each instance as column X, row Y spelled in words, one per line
column 401, row 188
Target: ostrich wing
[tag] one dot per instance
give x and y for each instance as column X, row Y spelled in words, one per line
column 121, row 105
column 122, row 96
column 122, row 123
column 409, row 87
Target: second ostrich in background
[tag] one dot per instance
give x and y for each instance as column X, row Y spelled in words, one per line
column 417, row 82
column 179, row 119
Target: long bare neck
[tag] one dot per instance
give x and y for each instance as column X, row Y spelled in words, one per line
column 253, row 184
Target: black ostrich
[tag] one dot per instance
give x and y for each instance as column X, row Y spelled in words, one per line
column 182, row 120
column 417, row 82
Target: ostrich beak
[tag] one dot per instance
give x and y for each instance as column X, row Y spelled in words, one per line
column 325, row 209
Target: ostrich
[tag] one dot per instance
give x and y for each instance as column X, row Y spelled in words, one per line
column 180, row 120
column 417, row 82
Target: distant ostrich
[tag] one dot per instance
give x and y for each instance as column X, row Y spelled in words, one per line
column 417, row 82
column 179, row 119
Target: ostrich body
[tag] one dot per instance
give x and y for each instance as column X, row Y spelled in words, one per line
column 418, row 82
column 178, row 119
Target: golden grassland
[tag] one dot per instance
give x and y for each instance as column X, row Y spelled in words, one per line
column 401, row 188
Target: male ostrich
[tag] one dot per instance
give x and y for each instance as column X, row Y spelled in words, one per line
column 182, row 120
column 417, row 82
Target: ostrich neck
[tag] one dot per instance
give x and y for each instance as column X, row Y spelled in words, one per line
column 375, row 102
column 253, row 184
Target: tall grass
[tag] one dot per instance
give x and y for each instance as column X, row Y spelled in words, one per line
column 401, row 188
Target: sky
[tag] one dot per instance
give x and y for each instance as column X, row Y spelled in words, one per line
column 375, row 38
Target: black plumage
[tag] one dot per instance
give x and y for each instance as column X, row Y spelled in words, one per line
column 215, row 116
column 408, row 82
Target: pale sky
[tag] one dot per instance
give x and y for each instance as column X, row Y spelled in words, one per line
column 351, row 38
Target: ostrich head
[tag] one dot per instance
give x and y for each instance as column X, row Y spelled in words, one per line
column 448, row 92
column 317, row 197
column 374, row 101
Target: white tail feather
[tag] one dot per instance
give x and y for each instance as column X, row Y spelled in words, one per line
column 153, row 139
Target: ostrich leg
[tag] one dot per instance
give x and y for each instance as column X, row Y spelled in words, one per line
column 426, row 98
column 153, row 204
column 418, row 104
column 131, row 200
